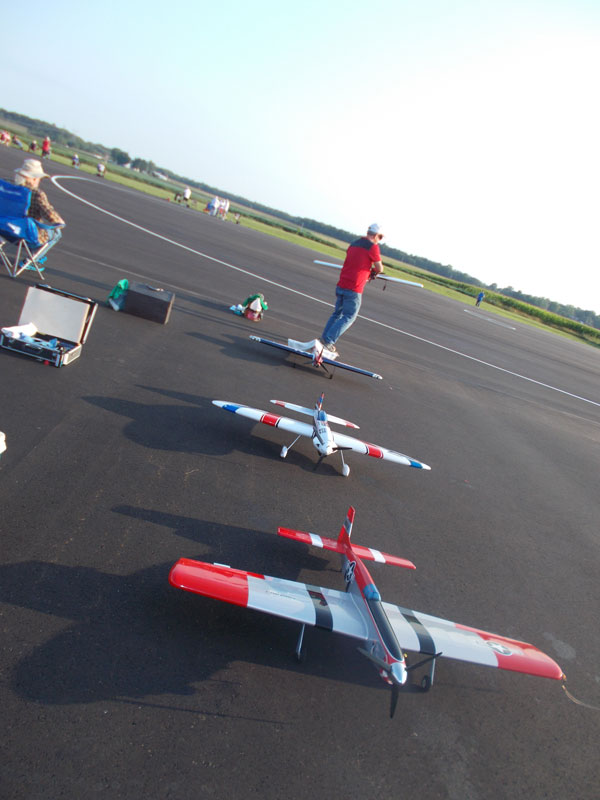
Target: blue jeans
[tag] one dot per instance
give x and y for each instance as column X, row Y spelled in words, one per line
column 347, row 306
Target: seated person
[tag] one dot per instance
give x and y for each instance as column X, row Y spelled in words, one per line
column 30, row 175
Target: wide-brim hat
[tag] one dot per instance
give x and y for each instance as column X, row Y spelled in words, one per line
column 31, row 168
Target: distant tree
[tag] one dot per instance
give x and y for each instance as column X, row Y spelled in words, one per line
column 139, row 163
column 119, row 156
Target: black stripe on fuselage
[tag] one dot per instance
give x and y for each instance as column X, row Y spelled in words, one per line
column 323, row 617
column 426, row 644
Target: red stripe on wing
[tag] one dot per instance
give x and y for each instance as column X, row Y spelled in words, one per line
column 373, row 450
column 270, row 419
column 212, row 580
column 519, row 656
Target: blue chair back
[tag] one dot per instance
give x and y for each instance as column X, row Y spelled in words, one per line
column 15, row 225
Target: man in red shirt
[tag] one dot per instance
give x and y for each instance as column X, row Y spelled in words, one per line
column 363, row 261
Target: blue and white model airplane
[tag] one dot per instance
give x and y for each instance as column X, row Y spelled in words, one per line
column 325, row 441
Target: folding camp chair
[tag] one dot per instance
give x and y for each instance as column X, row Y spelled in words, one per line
column 17, row 229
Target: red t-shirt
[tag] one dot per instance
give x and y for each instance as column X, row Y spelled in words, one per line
column 357, row 267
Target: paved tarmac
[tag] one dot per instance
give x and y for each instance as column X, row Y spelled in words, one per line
column 116, row 685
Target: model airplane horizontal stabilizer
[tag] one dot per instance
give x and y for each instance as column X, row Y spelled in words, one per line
column 367, row 553
column 321, row 361
column 323, row 438
column 381, row 276
column 311, row 411
column 386, row 630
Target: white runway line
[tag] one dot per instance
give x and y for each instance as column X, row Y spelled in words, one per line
column 56, row 178
column 489, row 319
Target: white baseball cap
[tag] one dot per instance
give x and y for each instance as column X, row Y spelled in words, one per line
column 31, row 169
column 374, row 228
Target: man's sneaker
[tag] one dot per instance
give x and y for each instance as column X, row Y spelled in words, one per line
column 329, row 350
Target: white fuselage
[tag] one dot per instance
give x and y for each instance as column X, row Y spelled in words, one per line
column 322, row 437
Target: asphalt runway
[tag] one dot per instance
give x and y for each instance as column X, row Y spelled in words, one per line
column 117, row 685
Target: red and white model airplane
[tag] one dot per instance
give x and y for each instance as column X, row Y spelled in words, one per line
column 323, row 438
column 385, row 630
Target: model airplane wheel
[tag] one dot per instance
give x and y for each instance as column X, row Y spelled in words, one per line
column 345, row 470
column 301, row 657
column 284, row 452
column 426, row 683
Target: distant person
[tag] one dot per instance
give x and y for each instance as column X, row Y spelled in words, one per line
column 236, row 216
column 213, row 206
column 46, row 147
column 75, row 160
column 17, row 142
column 100, row 170
column 362, row 262
column 33, row 146
column 187, row 195
column 480, row 297
column 30, row 175
column 224, row 209
column 5, row 138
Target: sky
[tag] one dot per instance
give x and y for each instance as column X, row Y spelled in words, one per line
column 469, row 130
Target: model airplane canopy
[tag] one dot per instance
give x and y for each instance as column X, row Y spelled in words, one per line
column 385, row 630
column 381, row 276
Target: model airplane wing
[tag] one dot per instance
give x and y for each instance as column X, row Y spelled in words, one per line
column 381, row 275
column 423, row 633
column 329, row 361
column 285, row 423
column 310, row 605
column 342, row 440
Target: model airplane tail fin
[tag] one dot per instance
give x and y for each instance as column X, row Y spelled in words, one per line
column 346, row 529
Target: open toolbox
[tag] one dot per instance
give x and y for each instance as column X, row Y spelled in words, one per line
column 53, row 325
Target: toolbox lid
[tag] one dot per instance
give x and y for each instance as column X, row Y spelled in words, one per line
column 58, row 313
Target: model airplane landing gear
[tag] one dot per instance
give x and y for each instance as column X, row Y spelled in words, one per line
column 427, row 680
column 345, row 467
column 285, row 450
column 300, row 654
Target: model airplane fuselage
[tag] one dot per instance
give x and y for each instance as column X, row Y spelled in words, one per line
column 323, row 438
column 384, row 630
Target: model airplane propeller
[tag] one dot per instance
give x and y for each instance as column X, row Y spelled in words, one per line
column 385, row 630
column 380, row 276
column 323, row 438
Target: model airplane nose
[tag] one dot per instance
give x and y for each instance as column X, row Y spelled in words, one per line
column 399, row 672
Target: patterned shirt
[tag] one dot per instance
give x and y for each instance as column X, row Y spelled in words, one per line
column 41, row 211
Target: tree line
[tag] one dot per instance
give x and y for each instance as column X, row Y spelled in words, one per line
column 302, row 225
